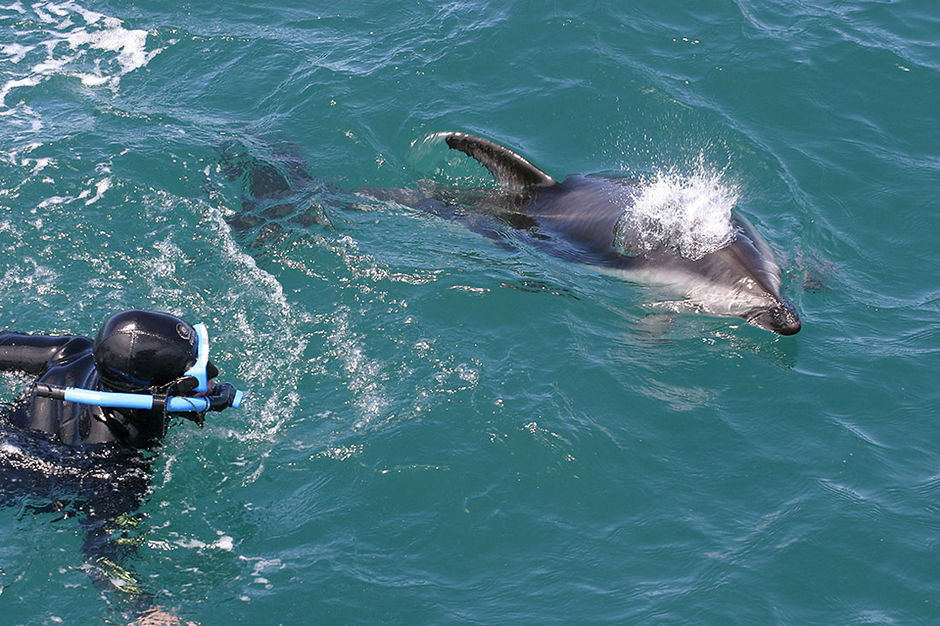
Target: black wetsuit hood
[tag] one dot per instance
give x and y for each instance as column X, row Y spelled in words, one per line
column 136, row 350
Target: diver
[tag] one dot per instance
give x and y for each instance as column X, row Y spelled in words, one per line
column 142, row 367
column 80, row 440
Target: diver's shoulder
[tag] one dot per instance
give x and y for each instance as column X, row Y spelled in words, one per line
column 72, row 348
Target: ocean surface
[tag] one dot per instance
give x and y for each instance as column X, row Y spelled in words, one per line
column 444, row 427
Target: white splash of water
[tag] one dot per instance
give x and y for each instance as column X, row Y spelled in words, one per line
column 366, row 376
column 89, row 46
column 269, row 319
column 688, row 213
column 100, row 187
column 14, row 52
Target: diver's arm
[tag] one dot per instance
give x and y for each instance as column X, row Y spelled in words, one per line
column 31, row 353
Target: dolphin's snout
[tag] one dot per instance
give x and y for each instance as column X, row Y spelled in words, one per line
column 781, row 319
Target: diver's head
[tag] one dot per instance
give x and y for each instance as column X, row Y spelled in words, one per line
column 137, row 350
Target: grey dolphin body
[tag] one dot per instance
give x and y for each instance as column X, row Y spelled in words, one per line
column 581, row 220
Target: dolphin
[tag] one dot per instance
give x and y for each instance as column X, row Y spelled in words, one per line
column 587, row 219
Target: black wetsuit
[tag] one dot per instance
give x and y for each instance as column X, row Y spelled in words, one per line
column 83, row 460
column 88, row 462
column 68, row 361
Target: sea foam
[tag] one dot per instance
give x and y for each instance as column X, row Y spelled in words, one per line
column 94, row 48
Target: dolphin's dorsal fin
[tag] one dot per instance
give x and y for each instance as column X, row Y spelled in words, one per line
column 509, row 169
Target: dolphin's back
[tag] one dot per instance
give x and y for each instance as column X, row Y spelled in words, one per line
column 585, row 211
column 575, row 220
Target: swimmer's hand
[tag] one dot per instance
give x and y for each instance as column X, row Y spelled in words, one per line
column 221, row 396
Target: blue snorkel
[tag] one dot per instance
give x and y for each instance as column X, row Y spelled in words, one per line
column 146, row 402
column 198, row 370
column 221, row 397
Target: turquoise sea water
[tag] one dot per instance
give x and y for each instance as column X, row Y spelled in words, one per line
column 443, row 429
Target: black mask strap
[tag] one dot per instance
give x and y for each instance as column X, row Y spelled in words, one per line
column 182, row 386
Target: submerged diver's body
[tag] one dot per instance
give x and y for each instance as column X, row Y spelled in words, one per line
column 94, row 460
